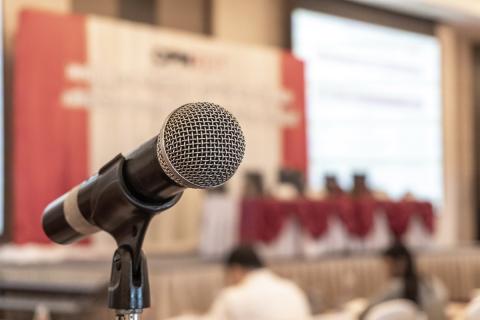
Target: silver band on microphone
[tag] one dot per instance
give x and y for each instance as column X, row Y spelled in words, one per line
column 74, row 216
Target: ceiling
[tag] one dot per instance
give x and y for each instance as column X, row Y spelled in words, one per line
column 465, row 12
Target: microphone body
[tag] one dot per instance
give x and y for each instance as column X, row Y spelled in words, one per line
column 199, row 146
column 123, row 185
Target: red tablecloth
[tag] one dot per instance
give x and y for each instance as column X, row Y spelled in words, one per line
column 263, row 219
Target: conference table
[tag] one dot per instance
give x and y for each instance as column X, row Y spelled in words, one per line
column 313, row 228
column 351, row 311
column 264, row 218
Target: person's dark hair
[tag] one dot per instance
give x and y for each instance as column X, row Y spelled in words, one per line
column 254, row 186
column 244, row 256
column 398, row 252
column 293, row 177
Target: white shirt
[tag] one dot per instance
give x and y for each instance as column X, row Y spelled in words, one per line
column 433, row 297
column 262, row 295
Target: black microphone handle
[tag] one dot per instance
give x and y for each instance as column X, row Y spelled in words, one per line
column 108, row 200
column 68, row 218
column 145, row 177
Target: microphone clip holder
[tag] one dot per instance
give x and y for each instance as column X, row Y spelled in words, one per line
column 129, row 290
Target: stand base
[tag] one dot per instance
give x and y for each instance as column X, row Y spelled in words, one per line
column 128, row 314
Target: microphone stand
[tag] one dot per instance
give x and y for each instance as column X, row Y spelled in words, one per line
column 129, row 290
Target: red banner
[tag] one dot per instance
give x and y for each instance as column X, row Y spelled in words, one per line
column 294, row 138
column 50, row 146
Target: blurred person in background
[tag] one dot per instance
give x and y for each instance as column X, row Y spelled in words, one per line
column 290, row 186
column 361, row 189
column 330, row 189
column 254, row 292
column 405, row 283
column 360, row 186
column 253, row 186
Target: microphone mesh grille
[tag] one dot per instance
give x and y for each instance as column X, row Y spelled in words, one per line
column 201, row 145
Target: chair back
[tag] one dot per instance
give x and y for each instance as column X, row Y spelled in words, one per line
column 473, row 310
column 399, row 309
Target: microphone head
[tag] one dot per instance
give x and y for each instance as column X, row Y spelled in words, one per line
column 200, row 146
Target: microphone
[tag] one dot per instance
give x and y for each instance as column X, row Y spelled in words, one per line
column 200, row 146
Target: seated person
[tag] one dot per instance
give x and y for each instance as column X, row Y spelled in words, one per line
column 254, row 292
column 404, row 283
column 253, row 185
column 290, row 185
column 331, row 189
column 362, row 189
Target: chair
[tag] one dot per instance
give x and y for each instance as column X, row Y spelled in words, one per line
column 395, row 310
column 473, row 310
